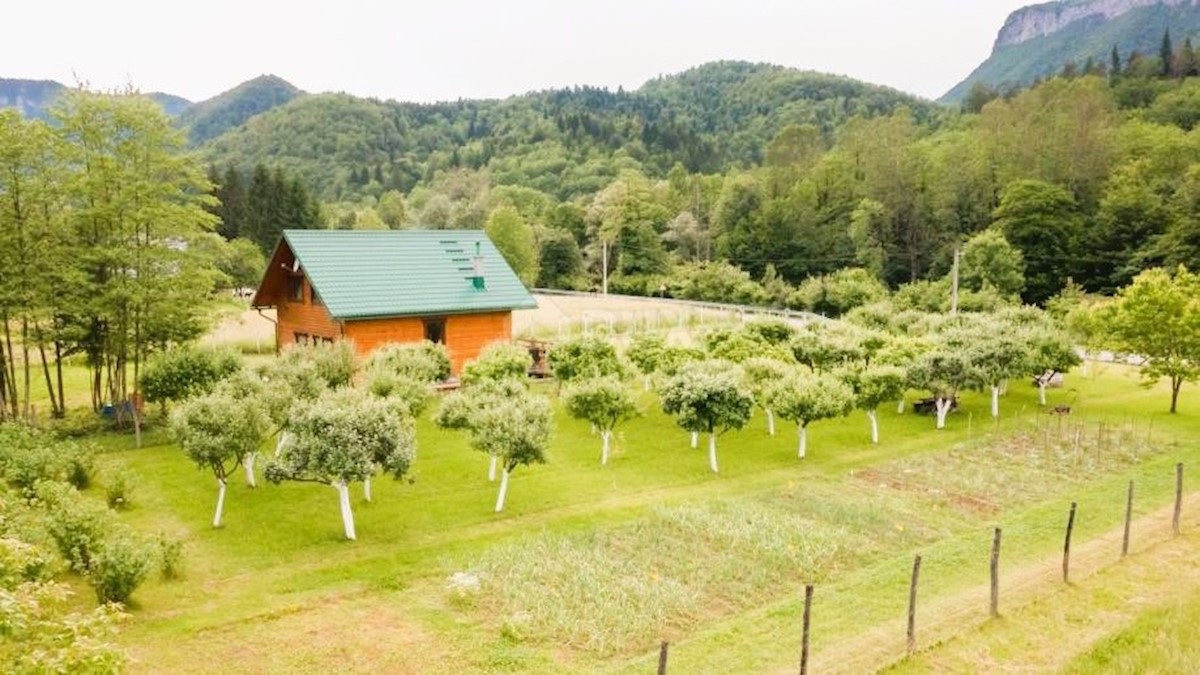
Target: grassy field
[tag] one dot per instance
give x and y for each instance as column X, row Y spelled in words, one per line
column 590, row 567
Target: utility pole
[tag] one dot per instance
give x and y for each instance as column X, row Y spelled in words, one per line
column 954, row 282
column 604, row 266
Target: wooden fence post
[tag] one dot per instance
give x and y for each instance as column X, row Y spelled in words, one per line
column 662, row 658
column 995, row 569
column 1178, row 498
column 808, row 596
column 912, row 605
column 1067, row 545
column 1128, row 520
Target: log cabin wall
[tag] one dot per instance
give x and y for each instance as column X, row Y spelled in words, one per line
column 465, row 335
column 304, row 319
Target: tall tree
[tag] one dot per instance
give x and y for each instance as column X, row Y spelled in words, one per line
column 1042, row 220
column 1158, row 316
column 136, row 198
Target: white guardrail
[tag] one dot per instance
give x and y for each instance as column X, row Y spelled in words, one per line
column 695, row 304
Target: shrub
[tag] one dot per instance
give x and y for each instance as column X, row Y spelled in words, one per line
column 499, row 361
column 837, row 293
column 120, row 565
column 28, row 456
column 21, row 562
column 76, row 525
column 117, row 489
column 170, row 557
column 422, row 361
column 185, row 372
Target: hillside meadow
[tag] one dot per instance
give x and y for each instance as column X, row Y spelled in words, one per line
column 589, row 567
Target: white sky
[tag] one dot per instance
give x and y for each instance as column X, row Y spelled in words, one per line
column 448, row 49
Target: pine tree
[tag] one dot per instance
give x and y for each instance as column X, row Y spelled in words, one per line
column 1166, row 53
column 1114, row 69
column 1188, row 65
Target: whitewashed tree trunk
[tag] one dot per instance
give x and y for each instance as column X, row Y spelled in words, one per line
column 503, row 490
column 491, row 468
column 220, row 502
column 770, row 422
column 248, row 463
column 367, row 489
column 646, row 383
column 605, row 441
column 803, row 451
column 347, row 515
column 943, row 409
column 1042, row 391
column 281, row 441
column 712, row 451
column 900, row 407
column 695, row 439
column 874, row 426
column 995, row 401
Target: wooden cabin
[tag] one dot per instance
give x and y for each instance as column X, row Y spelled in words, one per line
column 377, row 287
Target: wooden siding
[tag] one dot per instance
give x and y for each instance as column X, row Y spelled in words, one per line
column 305, row 318
column 466, row 335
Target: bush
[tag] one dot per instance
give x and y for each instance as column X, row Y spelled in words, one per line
column 170, row 557
column 715, row 281
column 499, row 361
column 80, row 423
column 120, row 565
column 422, row 361
column 21, row 562
column 837, row 293
column 76, row 525
column 185, row 372
column 28, row 456
column 117, row 489
column 333, row 361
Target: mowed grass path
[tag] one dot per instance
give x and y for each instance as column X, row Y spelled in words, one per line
column 277, row 589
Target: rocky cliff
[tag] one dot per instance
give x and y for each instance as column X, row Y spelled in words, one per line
column 1037, row 21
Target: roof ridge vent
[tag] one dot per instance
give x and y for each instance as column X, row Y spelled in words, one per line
column 478, row 280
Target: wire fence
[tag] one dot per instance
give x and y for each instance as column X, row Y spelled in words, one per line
column 1008, row 588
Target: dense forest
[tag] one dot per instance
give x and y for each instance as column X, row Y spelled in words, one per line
column 734, row 181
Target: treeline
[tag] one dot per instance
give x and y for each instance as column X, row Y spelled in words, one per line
column 258, row 206
column 106, row 248
column 1073, row 180
column 566, row 143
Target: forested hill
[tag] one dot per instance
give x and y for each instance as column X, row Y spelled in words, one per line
column 565, row 142
column 213, row 117
column 1038, row 41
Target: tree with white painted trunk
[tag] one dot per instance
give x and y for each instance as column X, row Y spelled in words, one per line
column 998, row 352
column 217, row 431
column 710, row 397
column 943, row 372
column 341, row 438
column 517, row 431
column 872, row 386
column 288, row 380
column 761, row 375
column 459, row 410
column 584, row 357
column 1050, row 354
column 646, row 352
column 805, row 398
column 603, row 401
column 901, row 351
column 824, row 348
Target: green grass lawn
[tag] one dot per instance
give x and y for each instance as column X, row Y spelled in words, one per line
column 589, row 566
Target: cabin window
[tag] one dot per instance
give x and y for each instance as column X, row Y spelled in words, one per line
column 296, row 289
column 302, row 338
column 435, row 330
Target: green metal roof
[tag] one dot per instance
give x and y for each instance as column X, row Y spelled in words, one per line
column 366, row 274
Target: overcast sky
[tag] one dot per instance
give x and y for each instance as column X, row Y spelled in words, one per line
column 447, row 49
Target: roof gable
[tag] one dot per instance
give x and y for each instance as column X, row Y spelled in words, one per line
column 381, row 273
